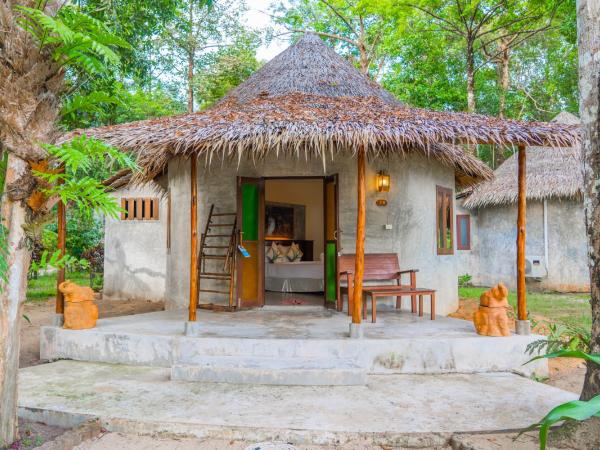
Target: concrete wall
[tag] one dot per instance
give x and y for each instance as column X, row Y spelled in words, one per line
column 135, row 252
column 302, row 192
column 493, row 255
column 410, row 211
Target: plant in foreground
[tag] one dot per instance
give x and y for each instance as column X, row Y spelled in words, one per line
column 578, row 410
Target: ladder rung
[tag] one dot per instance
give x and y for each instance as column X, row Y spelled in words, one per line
column 224, row 214
column 216, row 246
column 214, row 256
column 212, row 291
column 221, row 225
column 218, row 235
column 215, row 275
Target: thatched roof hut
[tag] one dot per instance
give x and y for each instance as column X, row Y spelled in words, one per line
column 551, row 173
column 308, row 102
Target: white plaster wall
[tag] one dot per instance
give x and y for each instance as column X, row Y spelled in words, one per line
column 411, row 212
column 135, row 252
column 307, row 192
column 493, row 255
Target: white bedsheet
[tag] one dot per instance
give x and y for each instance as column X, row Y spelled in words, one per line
column 301, row 276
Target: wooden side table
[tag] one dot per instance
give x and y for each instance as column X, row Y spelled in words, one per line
column 398, row 291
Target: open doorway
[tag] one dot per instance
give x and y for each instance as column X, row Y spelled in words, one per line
column 294, row 239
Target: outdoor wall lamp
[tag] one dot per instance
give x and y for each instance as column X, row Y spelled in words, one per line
column 383, row 181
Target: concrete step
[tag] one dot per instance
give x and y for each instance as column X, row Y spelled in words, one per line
column 273, row 371
column 390, row 411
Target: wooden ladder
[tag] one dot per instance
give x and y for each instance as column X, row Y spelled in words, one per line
column 218, row 237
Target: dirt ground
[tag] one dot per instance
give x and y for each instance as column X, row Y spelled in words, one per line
column 496, row 441
column 42, row 313
column 565, row 373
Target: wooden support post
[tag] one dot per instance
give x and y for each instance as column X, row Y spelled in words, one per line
column 193, row 240
column 62, row 246
column 521, row 235
column 359, row 268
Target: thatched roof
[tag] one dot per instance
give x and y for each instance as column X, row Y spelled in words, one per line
column 551, row 173
column 308, row 102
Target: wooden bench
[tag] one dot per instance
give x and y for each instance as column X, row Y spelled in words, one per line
column 387, row 291
column 378, row 267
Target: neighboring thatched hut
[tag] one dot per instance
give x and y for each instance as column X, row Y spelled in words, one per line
column 309, row 113
column 556, row 239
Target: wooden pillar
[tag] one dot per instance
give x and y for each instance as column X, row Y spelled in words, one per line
column 62, row 245
column 521, row 234
column 359, row 268
column 193, row 240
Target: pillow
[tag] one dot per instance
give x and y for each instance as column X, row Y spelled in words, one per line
column 272, row 253
column 294, row 254
column 282, row 252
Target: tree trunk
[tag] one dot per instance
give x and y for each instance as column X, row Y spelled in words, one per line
column 190, row 81
column 504, row 78
column 191, row 55
column 12, row 298
column 471, row 106
column 364, row 58
column 588, row 25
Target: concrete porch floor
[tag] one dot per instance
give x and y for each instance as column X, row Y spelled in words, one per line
column 402, row 410
column 251, row 346
column 286, row 322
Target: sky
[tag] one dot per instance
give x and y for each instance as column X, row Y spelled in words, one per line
column 258, row 17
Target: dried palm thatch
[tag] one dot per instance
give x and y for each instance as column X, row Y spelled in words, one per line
column 308, row 102
column 551, row 173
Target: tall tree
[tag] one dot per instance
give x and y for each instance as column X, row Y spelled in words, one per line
column 201, row 26
column 588, row 22
column 39, row 41
column 483, row 24
column 356, row 28
column 225, row 69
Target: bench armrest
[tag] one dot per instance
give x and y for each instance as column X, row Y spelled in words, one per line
column 407, row 271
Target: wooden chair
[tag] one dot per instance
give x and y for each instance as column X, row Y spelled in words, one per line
column 378, row 267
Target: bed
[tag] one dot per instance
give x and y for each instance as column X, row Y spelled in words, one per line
column 300, row 276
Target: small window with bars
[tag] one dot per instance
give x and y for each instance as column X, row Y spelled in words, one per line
column 139, row 209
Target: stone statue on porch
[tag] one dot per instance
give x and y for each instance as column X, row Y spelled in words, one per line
column 80, row 310
column 491, row 319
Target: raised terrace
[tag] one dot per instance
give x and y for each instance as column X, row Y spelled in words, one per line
column 295, row 345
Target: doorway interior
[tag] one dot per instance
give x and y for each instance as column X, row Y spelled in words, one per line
column 289, row 228
column 294, row 241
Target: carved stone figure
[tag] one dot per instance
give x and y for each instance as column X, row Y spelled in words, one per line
column 491, row 319
column 80, row 310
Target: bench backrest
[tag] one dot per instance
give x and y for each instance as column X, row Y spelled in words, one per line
column 378, row 266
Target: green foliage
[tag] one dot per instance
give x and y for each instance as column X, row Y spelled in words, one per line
column 3, row 254
column 347, row 26
column 593, row 357
column 76, row 183
column 578, row 410
column 84, row 233
column 225, row 69
column 56, row 260
column 464, row 280
column 75, row 38
column 561, row 337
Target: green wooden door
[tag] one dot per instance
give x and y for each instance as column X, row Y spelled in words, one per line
column 250, row 285
column 330, row 196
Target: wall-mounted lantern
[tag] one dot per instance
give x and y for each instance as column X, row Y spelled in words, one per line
column 383, row 181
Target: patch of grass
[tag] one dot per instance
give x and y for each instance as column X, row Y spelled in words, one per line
column 560, row 307
column 44, row 286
